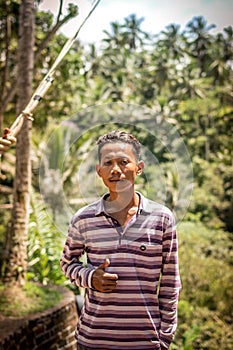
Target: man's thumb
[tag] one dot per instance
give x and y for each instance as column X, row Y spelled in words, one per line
column 105, row 264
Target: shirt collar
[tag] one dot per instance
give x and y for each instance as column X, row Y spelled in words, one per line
column 100, row 205
column 143, row 204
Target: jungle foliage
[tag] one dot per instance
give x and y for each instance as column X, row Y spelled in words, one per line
column 182, row 78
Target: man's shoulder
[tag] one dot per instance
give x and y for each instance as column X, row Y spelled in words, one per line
column 86, row 212
column 154, row 207
column 159, row 212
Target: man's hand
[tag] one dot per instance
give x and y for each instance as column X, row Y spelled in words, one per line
column 104, row 281
column 6, row 141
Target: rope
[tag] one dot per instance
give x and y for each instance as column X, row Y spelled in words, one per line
column 9, row 135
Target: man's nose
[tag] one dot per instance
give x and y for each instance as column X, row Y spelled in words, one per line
column 115, row 168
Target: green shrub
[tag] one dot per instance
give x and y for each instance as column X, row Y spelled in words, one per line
column 20, row 301
column 45, row 246
column 206, row 299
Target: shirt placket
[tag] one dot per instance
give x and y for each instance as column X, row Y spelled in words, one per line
column 121, row 230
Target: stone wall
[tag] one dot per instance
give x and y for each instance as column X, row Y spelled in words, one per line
column 52, row 329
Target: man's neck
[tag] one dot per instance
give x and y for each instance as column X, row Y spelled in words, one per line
column 122, row 201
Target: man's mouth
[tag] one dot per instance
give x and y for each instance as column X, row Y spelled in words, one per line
column 116, row 180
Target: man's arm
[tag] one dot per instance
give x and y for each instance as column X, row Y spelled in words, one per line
column 169, row 285
column 74, row 269
column 70, row 262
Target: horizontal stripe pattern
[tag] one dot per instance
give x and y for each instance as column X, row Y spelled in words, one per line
column 141, row 313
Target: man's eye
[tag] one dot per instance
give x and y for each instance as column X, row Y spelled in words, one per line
column 108, row 162
column 124, row 162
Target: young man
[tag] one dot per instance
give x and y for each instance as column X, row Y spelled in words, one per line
column 132, row 276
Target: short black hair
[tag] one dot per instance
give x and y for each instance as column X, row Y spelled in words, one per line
column 119, row 136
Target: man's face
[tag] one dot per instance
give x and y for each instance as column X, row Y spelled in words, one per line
column 118, row 166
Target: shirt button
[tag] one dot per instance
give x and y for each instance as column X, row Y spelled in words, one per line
column 143, row 247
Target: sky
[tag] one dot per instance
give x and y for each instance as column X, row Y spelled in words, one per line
column 157, row 15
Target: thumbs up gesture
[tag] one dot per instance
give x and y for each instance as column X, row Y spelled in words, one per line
column 103, row 281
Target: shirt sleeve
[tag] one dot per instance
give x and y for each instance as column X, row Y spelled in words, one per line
column 169, row 284
column 74, row 248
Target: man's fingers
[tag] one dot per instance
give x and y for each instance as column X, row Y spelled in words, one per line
column 110, row 276
column 3, row 148
column 109, row 285
column 105, row 264
column 5, row 142
column 103, row 280
column 11, row 138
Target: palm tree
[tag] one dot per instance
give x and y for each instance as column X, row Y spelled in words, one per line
column 167, row 56
column 133, row 34
column 228, row 43
column 199, row 41
column 115, row 38
column 189, row 85
column 222, row 56
column 16, row 263
column 171, row 42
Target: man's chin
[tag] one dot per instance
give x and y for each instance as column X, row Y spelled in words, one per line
column 120, row 186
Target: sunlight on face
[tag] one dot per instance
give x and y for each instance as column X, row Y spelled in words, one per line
column 118, row 166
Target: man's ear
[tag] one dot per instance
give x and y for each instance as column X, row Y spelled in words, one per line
column 97, row 168
column 140, row 166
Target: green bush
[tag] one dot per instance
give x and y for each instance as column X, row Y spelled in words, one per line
column 31, row 298
column 206, row 299
column 45, row 244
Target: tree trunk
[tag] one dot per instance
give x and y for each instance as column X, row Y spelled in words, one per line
column 16, row 263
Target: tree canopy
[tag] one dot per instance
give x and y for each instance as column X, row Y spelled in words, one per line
column 181, row 78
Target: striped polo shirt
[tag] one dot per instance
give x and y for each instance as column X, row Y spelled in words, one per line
column 141, row 312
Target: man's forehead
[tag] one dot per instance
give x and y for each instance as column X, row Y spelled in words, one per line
column 117, row 150
column 117, row 146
